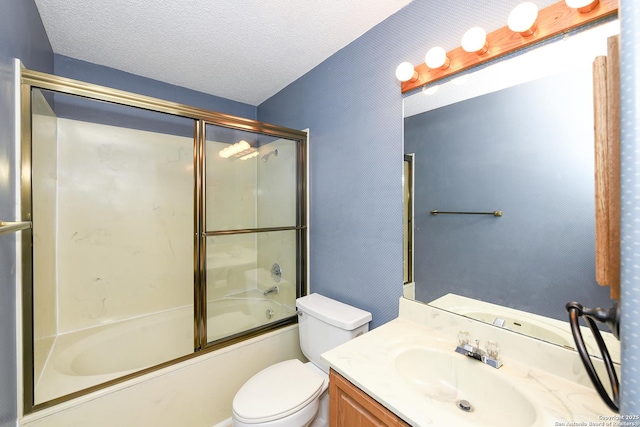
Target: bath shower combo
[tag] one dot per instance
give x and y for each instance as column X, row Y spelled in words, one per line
column 143, row 246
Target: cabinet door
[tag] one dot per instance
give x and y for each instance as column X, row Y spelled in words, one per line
column 350, row 406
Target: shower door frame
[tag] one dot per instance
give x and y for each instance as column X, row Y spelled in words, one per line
column 37, row 80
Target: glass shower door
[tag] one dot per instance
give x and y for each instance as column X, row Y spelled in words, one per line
column 113, row 241
column 253, row 233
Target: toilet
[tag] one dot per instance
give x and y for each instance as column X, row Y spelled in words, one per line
column 293, row 393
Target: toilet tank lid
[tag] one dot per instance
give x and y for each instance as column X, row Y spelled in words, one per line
column 333, row 312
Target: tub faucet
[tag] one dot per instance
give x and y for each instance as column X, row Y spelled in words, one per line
column 271, row 290
column 489, row 357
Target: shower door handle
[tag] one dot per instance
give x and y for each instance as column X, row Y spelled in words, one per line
column 12, row 227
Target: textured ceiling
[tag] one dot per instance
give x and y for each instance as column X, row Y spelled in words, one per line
column 245, row 50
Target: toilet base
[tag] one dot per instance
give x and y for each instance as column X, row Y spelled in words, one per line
column 302, row 418
column 322, row 418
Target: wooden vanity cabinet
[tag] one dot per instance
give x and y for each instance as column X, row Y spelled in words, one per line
column 351, row 407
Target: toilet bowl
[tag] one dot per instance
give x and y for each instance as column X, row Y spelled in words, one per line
column 286, row 394
column 293, row 393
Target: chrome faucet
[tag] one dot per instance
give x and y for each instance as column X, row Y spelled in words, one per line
column 271, row 290
column 488, row 356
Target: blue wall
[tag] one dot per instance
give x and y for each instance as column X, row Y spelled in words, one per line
column 21, row 36
column 630, row 233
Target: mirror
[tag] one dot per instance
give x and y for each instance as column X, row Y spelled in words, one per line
column 525, row 149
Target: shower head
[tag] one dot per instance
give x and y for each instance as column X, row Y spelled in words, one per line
column 269, row 154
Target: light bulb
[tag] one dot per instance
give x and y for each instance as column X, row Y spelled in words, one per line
column 583, row 6
column 475, row 40
column 522, row 19
column 436, row 58
column 406, row 73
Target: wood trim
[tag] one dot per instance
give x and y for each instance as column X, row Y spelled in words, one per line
column 601, row 181
column 552, row 21
column 613, row 164
column 606, row 89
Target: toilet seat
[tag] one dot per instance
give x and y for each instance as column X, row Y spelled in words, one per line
column 276, row 392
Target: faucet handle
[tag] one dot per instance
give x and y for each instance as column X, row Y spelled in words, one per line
column 493, row 349
column 463, row 338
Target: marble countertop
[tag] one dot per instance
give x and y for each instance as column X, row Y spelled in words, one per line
column 368, row 362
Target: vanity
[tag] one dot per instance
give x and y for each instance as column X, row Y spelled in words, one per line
column 407, row 372
column 350, row 406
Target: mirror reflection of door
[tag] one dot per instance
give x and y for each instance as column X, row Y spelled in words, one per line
column 407, row 183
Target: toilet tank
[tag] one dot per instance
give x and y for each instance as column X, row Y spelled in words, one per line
column 326, row 323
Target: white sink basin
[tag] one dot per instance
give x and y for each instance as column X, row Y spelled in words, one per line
column 456, row 380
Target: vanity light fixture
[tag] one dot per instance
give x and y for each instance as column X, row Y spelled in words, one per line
column 532, row 25
column 583, row 6
column 475, row 41
column 234, row 149
column 406, row 73
column 522, row 19
column 437, row 59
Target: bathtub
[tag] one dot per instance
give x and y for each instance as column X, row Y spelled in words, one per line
column 85, row 358
column 230, row 316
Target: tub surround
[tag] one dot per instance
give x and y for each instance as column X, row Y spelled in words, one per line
column 122, row 251
column 552, row 378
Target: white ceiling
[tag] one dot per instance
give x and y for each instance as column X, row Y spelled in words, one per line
column 244, row 50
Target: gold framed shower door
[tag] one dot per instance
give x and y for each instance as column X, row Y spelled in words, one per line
column 201, row 117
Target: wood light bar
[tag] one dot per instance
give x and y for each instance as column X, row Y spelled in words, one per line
column 552, row 21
